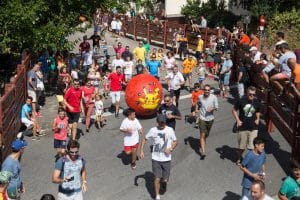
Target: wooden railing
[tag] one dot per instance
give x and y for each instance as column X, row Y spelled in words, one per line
column 161, row 34
column 10, row 108
column 280, row 106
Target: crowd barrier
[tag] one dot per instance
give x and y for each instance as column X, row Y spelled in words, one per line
column 10, row 108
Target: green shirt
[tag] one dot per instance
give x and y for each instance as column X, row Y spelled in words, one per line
column 290, row 188
column 147, row 48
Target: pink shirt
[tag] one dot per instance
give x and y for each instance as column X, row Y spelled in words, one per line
column 61, row 132
column 88, row 93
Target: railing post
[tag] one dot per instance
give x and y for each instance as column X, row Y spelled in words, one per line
column 148, row 31
column 165, row 34
column 206, row 30
column 134, row 27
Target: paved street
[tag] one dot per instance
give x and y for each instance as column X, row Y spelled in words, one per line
column 215, row 178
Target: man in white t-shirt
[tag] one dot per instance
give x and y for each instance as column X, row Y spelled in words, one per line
column 118, row 26
column 258, row 190
column 118, row 61
column 87, row 60
column 163, row 142
column 128, row 68
column 131, row 128
column 175, row 81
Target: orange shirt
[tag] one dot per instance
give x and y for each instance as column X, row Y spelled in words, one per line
column 195, row 95
column 188, row 66
column 245, row 39
column 296, row 73
column 255, row 42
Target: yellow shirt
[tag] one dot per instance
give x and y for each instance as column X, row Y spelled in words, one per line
column 139, row 53
column 188, row 66
column 200, row 45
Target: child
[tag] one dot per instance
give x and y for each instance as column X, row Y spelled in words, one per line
column 99, row 111
column 201, row 72
column 60, row 128
column 106, row 84
column 131, row 128
column 139, row 67
column 194, row 100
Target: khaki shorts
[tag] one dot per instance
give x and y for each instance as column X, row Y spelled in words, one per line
column 32, row 94
column 205, row 126
column 245, row 139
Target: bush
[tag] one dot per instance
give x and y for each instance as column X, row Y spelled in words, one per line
column 289, row 23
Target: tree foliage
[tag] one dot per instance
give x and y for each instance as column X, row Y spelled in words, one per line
column 213, row 10
column 289, row 22
column 39, row 24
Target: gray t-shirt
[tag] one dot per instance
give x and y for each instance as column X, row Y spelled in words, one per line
column 204, row 104
column 283, row 62
column 31, row 74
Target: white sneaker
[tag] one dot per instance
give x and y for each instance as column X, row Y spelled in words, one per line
column 157, row 197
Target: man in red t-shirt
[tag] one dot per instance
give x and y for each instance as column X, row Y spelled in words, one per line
column 84, row 46
column 72, row 101
column 116, row 81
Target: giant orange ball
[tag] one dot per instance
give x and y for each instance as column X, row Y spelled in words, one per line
column 144, row 94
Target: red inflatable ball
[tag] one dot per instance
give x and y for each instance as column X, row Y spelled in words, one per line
column 144, row 94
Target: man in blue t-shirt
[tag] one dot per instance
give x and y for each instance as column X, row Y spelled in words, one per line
column 153, row 66
column 70, row 173
column 29, row 121
column 12, row 164
column 253, row 166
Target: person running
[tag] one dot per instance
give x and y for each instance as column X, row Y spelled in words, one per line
column 208, row 103
column 128, row 69
column 60, row 129
column 163, row 142
column 72, row 102
column 175, row 81
column 99, row 109
column 70, row 174
column 88, row 95
column 12, row 164
column 116, row 81
column 153, row 66
column 246, row 112
column 253, row 166
column 170, row 111
column 187, row 70
column 140, row 52
column 131, row 128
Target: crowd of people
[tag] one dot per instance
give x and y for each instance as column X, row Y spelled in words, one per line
column 82, row 83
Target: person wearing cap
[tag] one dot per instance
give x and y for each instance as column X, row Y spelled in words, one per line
column 12, row 164
column 255, row 54
column 171, row 112
column 187, row 70
column 5, row 177
column 163, row 142
column 140, row 52
column 199, row 48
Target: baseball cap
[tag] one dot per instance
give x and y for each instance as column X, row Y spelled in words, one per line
column 253, row 49
column 5, row 176
column 18, row 144
column 199, row 36
column 161, row 118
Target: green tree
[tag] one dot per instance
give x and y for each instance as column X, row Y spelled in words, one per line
column 290, row 23
column 39, row 24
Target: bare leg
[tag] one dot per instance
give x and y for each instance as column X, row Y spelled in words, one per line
column 74, row 130
column 156, row 186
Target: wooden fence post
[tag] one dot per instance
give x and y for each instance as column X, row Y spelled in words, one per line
column 134, row 27
column 148, row 31
column 165, row 34
column 206, row 29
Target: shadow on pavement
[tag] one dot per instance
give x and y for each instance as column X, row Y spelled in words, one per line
column 231, row 196
column 149, row 178
column 273, row 147
column 194, row 143
column 126, row 159
column 227, row 152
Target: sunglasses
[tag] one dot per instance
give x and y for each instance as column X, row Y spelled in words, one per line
column 167, row 101
column 251, row 94
column 73, row 152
